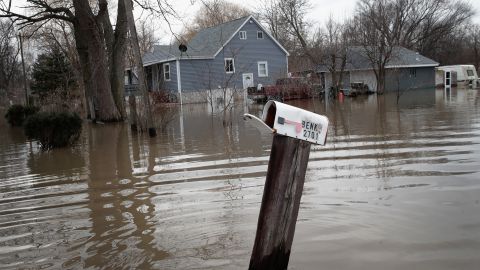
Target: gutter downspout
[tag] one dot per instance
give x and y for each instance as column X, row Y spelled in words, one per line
column 179, row 82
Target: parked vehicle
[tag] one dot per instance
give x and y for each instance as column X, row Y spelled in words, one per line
column 256, row 94
column 285, row 89
column 356, row 88
column 466, row 74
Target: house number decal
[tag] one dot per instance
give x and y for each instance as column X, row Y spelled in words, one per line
column 311, row 130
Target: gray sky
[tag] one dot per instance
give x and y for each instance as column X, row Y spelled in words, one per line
column 321, row 10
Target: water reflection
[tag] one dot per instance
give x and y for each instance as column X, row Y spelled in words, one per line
column 189, row 198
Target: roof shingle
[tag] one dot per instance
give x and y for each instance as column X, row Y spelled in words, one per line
column 204, row 44
column 401, row 57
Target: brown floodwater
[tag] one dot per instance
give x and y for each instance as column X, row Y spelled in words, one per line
column 396, row 187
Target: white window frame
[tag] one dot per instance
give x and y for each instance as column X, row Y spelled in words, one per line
column 244, row 36
column 266, row 68
column 165, row 72
column 259, row 32
column 225, row 65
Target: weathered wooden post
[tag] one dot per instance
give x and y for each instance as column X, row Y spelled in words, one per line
column 294, row 130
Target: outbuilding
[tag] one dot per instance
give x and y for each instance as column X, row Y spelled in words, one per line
column 406, row 70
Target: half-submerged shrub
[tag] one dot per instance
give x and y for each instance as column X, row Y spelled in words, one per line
column 53, row 130
column 17, row 114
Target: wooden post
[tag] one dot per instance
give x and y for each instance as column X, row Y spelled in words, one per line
column 280, row 203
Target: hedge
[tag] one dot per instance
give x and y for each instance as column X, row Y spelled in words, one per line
column 53, row 130
column 17, row 114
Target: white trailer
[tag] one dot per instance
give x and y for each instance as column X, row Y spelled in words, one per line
column 466, row 74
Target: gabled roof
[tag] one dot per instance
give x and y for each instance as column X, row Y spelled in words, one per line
column 206, row 44
column 208, row 41
column 401, row 58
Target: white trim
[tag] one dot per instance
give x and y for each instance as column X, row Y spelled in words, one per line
column 244, row 34
column 165, row 73
column 145, row 64
column 266, row 68
column 387, row 67
column 179, row 81
column 258, row 32
column 158, row 62
column 412, row 66
column 260, row 26
column 225, row 65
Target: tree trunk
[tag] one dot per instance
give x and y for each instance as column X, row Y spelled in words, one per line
column 381, row 81
column 93, row 58
column 139, row 63
column 116, row 42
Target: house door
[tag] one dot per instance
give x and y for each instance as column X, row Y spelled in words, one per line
column 247, row 80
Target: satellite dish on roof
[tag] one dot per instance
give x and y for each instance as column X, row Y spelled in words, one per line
column 182, row 47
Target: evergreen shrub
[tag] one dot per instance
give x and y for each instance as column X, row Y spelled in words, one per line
column 17, row 114
column 53, row 130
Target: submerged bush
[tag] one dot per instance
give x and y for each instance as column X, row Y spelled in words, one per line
column 17, row 114
column 53, row 130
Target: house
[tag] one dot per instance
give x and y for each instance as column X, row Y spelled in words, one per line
column 406, row 70
column 233, row 55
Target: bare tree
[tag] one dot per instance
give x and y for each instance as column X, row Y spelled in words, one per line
column 213, row 12
column 378, row 23
column 146, row 34
column 430, row 21
column 100, row 47
column 475, row 44
column 381, row 25
column 9, row 53
column 334, row 50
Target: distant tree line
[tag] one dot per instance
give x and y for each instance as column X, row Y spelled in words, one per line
column 10, row 68
column 439, row 29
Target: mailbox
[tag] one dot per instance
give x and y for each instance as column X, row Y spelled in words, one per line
column 291, row 121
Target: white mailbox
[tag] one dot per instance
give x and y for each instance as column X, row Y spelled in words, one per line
column 291, row 121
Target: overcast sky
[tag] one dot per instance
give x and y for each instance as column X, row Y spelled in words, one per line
column 319, row 13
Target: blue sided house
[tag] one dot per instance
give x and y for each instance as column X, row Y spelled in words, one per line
column 233, row 55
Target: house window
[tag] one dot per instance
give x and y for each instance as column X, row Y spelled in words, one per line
column 259, row 35
column 166, row 72
column 243, row 34
column 263, row 69
column 229, row 65
column 413, row 72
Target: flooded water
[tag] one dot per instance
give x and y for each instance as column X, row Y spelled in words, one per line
column 396, row 187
